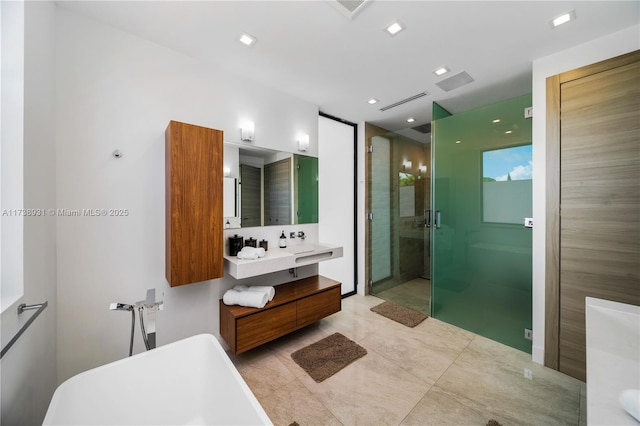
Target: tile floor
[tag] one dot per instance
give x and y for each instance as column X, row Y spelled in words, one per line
column 433, row 374
column 414, row 294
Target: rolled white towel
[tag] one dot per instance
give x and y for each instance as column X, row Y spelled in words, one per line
column 268, row 290
column 252, row 299
column 251, row 253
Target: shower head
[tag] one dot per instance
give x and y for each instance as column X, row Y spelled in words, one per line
column 120, row 307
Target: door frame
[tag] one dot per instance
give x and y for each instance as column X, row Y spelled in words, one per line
column 552, row 213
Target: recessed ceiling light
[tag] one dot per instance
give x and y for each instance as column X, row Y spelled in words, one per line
column 394, row 28
column 247, row 39
column 508, row 132
column 441, row 71
column 497, row 120
column 563, row 19
column 372, row 101
column 410, row 120
column 458, row 141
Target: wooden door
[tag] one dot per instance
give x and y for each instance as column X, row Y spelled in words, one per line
column 599, row 199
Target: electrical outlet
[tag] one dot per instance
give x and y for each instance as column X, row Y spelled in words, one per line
column 528, row 222
column 528, row 334
column 528, row 374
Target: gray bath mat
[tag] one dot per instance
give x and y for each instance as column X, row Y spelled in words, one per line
column 398, row 313
column 326, row 357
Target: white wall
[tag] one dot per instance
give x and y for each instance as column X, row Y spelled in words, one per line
column 336, row 199
column 118, row 91
column 603, row 48
column 11, row 135
column 29, row 367
column 361, row 206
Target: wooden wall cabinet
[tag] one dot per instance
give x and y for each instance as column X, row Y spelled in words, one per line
column 295, row 305
column 194, row 203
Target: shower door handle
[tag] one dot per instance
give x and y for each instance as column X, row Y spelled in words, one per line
column 436, row 222
column 427, row 218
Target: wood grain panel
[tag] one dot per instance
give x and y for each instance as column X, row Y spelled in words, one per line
column 552, row 230
column 251, row 195
column 194, row 218
column 262, row 327
column 277, row 193
column 227, row 326
column 314, row 308
column 599, row 200
column 244, row 328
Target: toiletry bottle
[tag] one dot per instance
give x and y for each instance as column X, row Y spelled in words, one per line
column 283, row 240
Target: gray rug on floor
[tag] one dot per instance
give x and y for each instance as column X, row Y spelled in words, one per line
column 398, row 313
column 326, row 357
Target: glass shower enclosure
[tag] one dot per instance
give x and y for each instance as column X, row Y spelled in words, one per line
column 482, row 193
column 399, row 206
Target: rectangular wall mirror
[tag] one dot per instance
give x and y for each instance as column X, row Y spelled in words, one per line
column 270, row 187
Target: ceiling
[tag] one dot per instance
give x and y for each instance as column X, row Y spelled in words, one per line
column 315, row 51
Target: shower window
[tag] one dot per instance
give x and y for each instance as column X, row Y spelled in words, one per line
column 407, row 193
column 506, row 185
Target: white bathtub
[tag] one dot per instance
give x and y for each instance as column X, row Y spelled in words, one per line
column 189, row 382
column 613, row 360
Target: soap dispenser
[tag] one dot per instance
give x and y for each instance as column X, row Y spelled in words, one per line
column 283, row 240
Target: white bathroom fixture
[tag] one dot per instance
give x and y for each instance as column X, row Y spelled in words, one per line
column 247, row 39
column 394, row 28
column 281, row 259
column 613, row 362
column 247, row 130
column 303, row 142
column 189, row 382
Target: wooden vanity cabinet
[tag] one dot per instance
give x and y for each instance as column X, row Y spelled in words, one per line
column 194, row 203
column 295, row 305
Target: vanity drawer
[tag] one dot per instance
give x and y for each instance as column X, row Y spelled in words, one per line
column 295, row 305
column 314, row 308
column 264, row 326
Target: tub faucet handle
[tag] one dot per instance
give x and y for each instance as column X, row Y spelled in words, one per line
column 301, row 235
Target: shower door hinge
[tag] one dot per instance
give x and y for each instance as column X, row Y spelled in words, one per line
column 528, row 112
column 370, row 216
column 370, row 149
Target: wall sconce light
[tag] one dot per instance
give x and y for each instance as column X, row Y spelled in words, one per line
column 423, row 169
column 246, row 131
column 303, row 142
column 227, row 171
column 407, row 165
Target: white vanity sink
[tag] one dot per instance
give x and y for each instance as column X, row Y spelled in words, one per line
column 189, row 382
column 280, row 259
column 302, row 248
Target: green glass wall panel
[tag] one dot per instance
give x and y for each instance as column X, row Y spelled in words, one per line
column 306, row 189
column 481, row 257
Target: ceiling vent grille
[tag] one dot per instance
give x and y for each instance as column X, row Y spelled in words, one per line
column 455, row 81
column 404, row 101
column 423, row 128
column 349, row 8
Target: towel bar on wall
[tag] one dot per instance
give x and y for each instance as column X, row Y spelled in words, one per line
column 24, row 307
